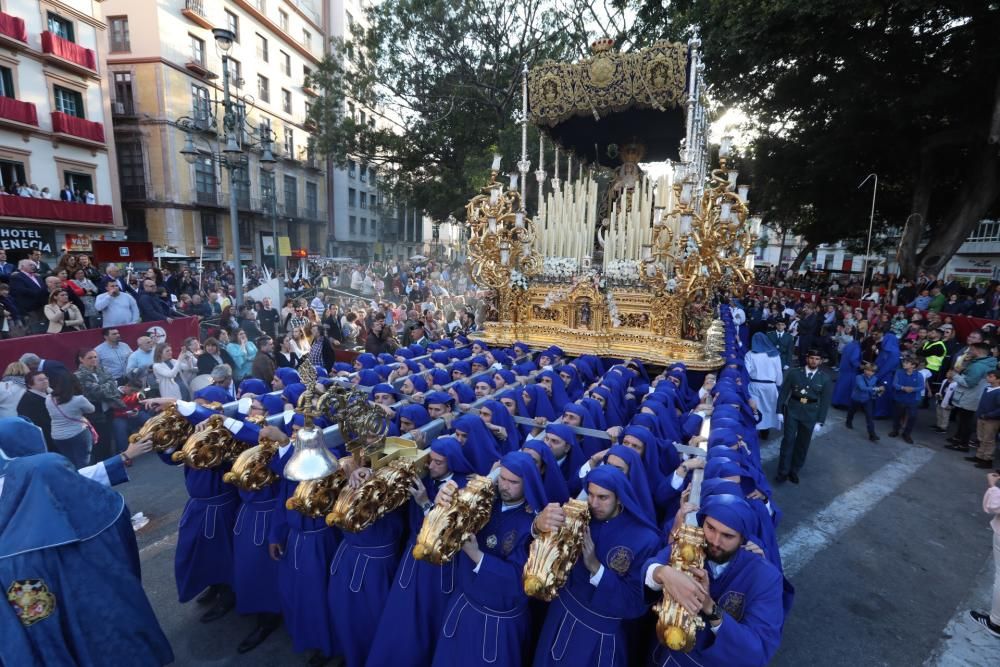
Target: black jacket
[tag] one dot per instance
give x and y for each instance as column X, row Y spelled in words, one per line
column 206, row 362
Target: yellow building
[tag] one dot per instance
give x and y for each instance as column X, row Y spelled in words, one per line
column 165, row 72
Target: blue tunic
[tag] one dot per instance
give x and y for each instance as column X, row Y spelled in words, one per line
column 850, row 366
column 204, row 555
column 303, row 572
column 360, row 578
column 487, row 619
column 255, row 573
column 583, row 625
column 414, row 611
column 69, row 539
column 748, row 593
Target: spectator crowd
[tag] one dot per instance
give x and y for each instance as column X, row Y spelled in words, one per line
column 898, row 352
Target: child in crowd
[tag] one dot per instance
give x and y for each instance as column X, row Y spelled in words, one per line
column 943, row 407
column 130, row 418
column 863, row 394
column 908, row 386
column 988, row 422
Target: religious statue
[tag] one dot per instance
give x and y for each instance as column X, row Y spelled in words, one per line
column 695, row 319
column 584, row 319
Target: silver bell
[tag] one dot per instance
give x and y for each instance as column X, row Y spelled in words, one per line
column 311, row 459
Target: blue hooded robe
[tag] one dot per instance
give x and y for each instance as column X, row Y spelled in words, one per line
column 69, row 567
column 487, row 621
column 204, row 553
column 360, row 579
column 414, row 611
column 887, row 362
column 584, row 624
column 749, row 594
column 850, row 366
column 255, row 573
column 303, row 571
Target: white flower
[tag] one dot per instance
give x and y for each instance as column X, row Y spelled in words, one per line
column 613, row 309
column 559, row 267
column 518, row 281
column 623, row 270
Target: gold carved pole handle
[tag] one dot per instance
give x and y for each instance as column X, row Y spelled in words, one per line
column 553, row 555
column 445, row 529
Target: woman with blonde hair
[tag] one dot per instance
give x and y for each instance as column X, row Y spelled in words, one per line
column 298, row 343
column 166, row 371
column 62, row 315
column 12, row 388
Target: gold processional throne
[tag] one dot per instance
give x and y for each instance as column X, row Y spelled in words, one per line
column 632, row 273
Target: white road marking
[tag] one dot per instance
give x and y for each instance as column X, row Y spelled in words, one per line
column 810, row 537
column 965, row 642
column 156, row 547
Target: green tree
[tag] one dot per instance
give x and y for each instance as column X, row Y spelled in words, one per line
column 906, row 89
column 445, row 78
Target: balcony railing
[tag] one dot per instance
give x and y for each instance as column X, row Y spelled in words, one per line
column 68, row 53
column 211, row 198
column 134, row 192
column 12, row 30
column 17, row 112
column 123, row 108
column 55, row 211
column 80, row 128
column 194, row 10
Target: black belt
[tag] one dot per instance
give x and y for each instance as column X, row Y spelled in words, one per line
column 807, row 400
column 762, row 381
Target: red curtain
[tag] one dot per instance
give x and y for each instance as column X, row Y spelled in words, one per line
column 22, row 112
column 13, row 27
column 65, row 346
column 78, row 127
column 71, row 51
column 55, row 210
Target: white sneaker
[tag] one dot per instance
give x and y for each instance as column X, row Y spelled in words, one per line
column 984, row 620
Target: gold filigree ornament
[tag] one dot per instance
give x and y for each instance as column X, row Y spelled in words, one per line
column 676, row 627
column 445, row 529
column 501, row 241
column 608, row 81
column 552, row 555
column 168, row 428
column 704, row 243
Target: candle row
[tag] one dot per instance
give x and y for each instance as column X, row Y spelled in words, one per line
column 567, row 222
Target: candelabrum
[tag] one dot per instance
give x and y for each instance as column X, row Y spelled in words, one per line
column 501, row 239
column 703, row 243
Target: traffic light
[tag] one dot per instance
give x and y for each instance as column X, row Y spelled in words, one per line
column 300, row 253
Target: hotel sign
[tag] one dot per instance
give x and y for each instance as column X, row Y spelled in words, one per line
column 27, row 238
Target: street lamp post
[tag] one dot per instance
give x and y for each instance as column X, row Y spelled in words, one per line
column 233, row 156
column 871, row 222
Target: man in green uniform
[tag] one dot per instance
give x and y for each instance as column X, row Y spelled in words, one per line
column 783, row 341
column 804, row 399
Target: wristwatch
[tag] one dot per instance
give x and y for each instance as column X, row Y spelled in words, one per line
column 712, row 616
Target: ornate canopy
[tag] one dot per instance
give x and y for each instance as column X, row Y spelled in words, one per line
column 596, row 106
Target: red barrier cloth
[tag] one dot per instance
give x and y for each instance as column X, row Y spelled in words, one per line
column 964, row 324
column 13, row 27
column 22, row 112
column 55, row 210
column 78, row 127
column 68, row 50
column 65, row 346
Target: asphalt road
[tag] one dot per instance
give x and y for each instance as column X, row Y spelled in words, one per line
column 886, row 544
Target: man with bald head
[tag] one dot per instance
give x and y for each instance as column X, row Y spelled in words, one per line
column 29, row 293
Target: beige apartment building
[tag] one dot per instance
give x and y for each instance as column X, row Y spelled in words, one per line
column 164, row 68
